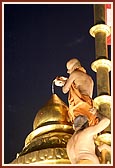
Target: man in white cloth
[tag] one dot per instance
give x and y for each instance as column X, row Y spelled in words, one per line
column 81, row 146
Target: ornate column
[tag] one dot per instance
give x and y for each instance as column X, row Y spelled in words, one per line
column 102, row 66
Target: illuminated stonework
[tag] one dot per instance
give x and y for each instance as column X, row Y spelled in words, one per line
column 44, row 156
column 102, row 66
column 45, row 129
column 105, row 63
column 103, row 99
column 105, row 138
column 100, row 28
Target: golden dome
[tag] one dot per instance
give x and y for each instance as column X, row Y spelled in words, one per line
column 51, row 131
column 55, row 111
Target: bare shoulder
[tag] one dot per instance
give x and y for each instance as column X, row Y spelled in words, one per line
column 82, row 79
column 80, row 73
column 77, row 73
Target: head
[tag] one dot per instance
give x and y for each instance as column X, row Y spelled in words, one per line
column 80, row 122
column 72, row 64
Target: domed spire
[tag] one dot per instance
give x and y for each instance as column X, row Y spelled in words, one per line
column 54, row 111
column 46, row 144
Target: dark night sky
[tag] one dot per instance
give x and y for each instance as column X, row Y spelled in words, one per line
column 38, row 41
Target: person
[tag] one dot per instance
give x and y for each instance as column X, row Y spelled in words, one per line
column 81, row 146
column 79, row 87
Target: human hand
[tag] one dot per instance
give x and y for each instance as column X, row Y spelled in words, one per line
column 93, row 110
column 60, row 81
column 100, row 116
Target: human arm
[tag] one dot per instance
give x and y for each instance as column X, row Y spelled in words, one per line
column 68, row 83
column 103, row 123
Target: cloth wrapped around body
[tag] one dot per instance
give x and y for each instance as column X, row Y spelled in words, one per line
column 80, row 105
